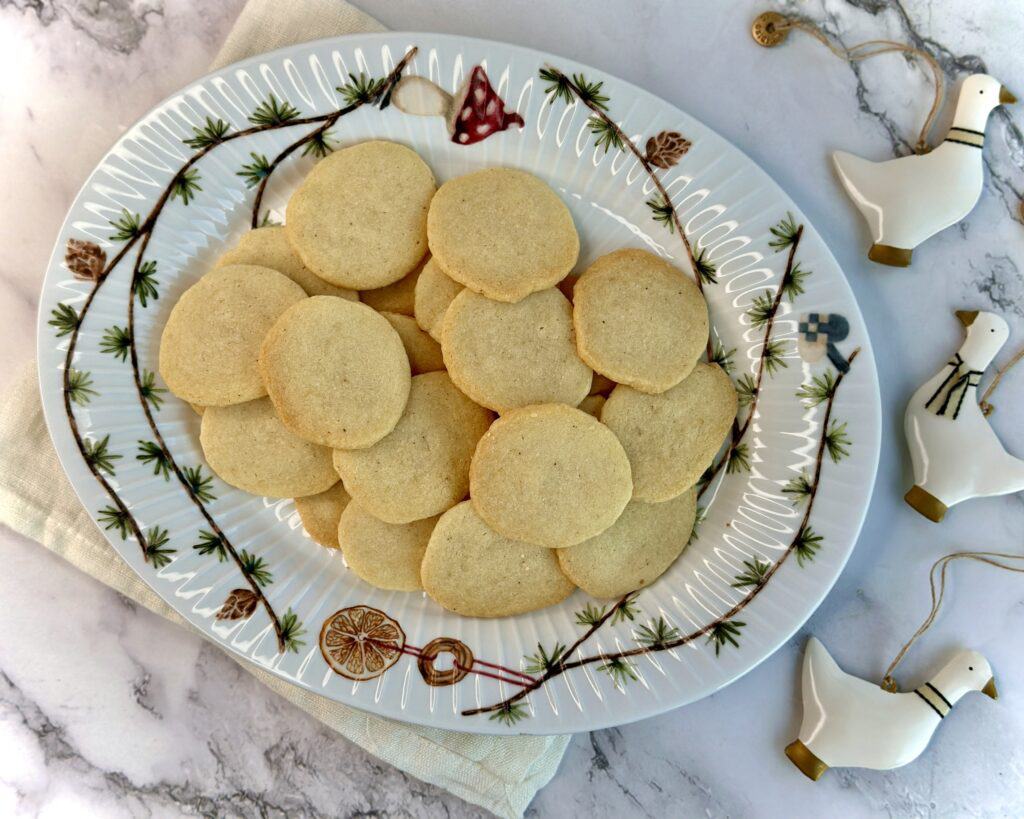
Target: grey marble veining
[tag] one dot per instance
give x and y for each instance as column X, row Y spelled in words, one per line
column 105, row 709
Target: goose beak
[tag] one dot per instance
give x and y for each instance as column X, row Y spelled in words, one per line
column 967, row 317
column 1006, row 96
column 990, row 689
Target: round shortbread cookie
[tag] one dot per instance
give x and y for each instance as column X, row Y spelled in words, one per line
column 320, row 514
column 248, row 447
column 424, row 353
column 472, row 570
column 359, row 218
column 639, row 320
column 549, row 475
column 385, row 555
column 510, row 355
column 211, row 342
column 268, row 247
column 336, row 371
column 399, row 297
column 635, row 550
column 502, row 233
column 671, row 438
column 422, row 467
column 435, row 292
column 592, row 405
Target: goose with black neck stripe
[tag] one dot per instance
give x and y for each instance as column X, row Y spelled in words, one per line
column 852, row 723
column 955, row 452
column 909, row 199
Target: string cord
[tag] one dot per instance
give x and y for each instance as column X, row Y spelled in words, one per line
column 986, row 407
column 873, row 48
column 940, row 568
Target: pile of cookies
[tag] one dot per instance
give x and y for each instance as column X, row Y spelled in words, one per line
column 503, row 430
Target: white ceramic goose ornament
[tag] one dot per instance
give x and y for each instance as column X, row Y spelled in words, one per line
column 955, row 452
column 906, row 200
column 852, row 723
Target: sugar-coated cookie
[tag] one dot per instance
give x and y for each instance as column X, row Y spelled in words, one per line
column 510, row 355
column 320, row 514
column 210, row 344
column 592, row 405
column 424, row 353
column 635, row 550
column 672, row 438
column 385, row 555
column 435, row 291
column 549, row 475
column 268, row 247
column 422, row 467
column 639, row 320
column 472, row 570
column 359, row 218
column 502, row 232
column 248, row 447
column 399, row 297
column 336, row 371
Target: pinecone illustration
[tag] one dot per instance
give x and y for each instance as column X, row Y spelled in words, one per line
column 666, row 149
column 85, row 259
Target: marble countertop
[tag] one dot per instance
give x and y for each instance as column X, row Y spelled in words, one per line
column 105, row 709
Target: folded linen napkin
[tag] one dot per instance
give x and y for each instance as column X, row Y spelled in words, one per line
column 501, row 774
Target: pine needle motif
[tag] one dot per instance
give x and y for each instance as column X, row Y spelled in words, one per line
column 152, row 453
column 239, row 604
column 319, row 145
column 201, row 486
column 116, row 341
column 620, row 670
column 794, row 284
column 144, row 284
column 806, row 545
column 65, row 319
column 590, row 616
column 156, row 550
column 272, row 112
column 657, row 635
column 126, row 227
column 706, row 271
column 291, row 631
column 542, row 661
column 361, row 90
column 837, row 442
column 785, row 233
column 799, row 489
column 662, row 212
column 755, row 575
column 625, row 609
column 110, row 517
column 509, row 714
column 739, row 460
column 607, row 134
column 698, row 519
column 820, row 390
column 212, row 133
column 256, row 171
column 773, row 356
column 722, row 357
column 725, row 632
column 590, row 92
column 255, row 568
column 85, row 260
column 211, row 544
column 80, row 387
column 150, row 391
column 559, row 87
column 185, row 186
column 761, row 309
column 666, row 149
column 746, row 388
column 98, row 456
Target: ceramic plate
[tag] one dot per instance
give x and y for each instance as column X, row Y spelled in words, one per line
column 780, row 509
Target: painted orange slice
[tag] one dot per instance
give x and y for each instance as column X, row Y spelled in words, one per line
column 360, row 642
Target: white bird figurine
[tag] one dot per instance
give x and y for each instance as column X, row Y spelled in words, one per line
column 955, row 452
column 908, row 199
column 852, row 723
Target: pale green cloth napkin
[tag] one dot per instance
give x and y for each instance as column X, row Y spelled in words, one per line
column 501, row 774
